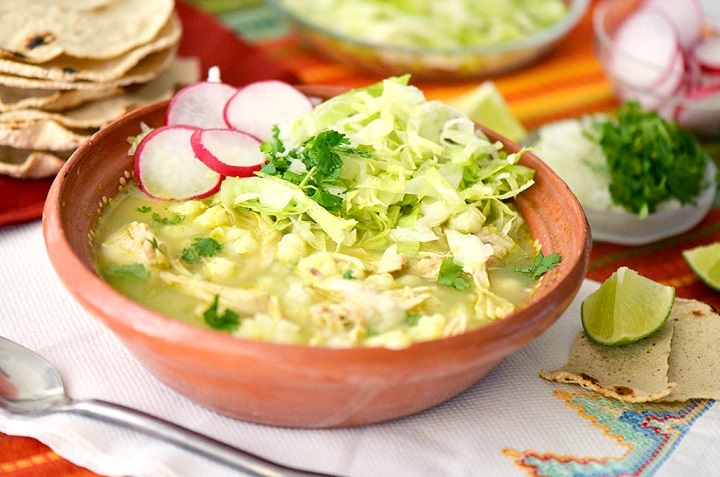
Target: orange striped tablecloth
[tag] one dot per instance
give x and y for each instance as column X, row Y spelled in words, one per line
column 568, row 82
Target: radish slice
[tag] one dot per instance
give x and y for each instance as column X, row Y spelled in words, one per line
column 200, row 104
column 259, row 106
column 707, row 54
column 228, row 152
column 646, row 51
column 166, row 166
column 686, row 15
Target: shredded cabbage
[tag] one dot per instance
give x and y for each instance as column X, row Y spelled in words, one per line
column 424, row 167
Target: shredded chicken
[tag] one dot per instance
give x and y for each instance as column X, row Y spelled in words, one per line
column 135, row 243
column 242, row 300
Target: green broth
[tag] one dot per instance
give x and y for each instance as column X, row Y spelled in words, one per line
column 282, row 299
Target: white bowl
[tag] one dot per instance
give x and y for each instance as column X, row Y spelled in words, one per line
column 629, row 229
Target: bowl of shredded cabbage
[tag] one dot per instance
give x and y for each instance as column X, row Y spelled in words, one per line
column 347, row 282
column 448, row 40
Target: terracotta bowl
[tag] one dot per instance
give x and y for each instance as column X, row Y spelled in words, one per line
column 300, row 386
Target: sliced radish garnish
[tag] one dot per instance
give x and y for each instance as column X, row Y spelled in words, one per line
column 687, row 16
column 200, row 104
column 166, row 166
column 646, row 49
column 228, row 152
column 259, row 106
column 707, row 54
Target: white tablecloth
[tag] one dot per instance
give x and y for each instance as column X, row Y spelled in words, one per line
column 512, row 423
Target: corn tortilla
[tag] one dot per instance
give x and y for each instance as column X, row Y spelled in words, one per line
column 147, row 69
column 680, row 361
column 66, row 68
column 38, row 31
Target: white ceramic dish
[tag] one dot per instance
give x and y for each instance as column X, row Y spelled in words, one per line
column 628, row 229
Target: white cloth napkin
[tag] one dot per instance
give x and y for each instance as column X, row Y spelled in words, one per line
column 512, row 412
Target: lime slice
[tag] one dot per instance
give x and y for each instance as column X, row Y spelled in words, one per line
column 626, row 308
column 485, row 105
column 705, row 263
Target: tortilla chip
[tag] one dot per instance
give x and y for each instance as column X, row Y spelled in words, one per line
column 694, row 363
column 680, row 361
column 39, row 31
column 627, row 373
column 42, row 135
column 98, row 113
column 27, row 164
column 66, row 68
column 12, row 99
column 147, row 69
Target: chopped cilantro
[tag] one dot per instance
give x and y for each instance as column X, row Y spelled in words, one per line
column 136, row 272
column 321, row 156
column 144, row 209
column 412, row 319
column 153, row 241
column 348, row 274
column 650, row 160
column 201, row 247
column 172, row 220
column 450, row 275
column 227, row 321
column 541, row 265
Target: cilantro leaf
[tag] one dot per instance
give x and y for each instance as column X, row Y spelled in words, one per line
column 144, row 209
column 172, row 220
column 201, row 247
column 321, row 156
column 450, row 275
column 136, row 272
column 227, row 321
column 541, row 265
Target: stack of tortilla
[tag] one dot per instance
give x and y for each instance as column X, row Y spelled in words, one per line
column 680, row 361
column 69, row 67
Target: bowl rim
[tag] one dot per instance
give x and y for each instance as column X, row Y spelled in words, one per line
column 540, row 38
column 625, row 228
column 98, row 296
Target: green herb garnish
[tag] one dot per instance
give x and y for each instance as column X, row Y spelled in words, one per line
column 541, row 265
column 450, row 275
column 650, row 160
column 201, row 247
column 172, row 220
column 136, row 272
column 144, row 209
column 321, row 157
column 227, row 321
column 153, row 241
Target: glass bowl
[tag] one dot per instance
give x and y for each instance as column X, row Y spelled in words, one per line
column 686, row 91
column 432, row 64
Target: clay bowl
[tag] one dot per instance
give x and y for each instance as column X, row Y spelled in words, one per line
column 300, row 386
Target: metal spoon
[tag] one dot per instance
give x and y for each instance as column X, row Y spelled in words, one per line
column 31, row 386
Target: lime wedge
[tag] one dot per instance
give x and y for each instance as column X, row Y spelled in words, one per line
column 485, row 105
column 626, row 308
column 705, row 263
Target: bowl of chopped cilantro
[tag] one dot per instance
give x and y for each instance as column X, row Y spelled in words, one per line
column 272, row 302
column 455, row 39
column 639, row 177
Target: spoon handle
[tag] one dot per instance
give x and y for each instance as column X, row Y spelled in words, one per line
column 186, row 438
